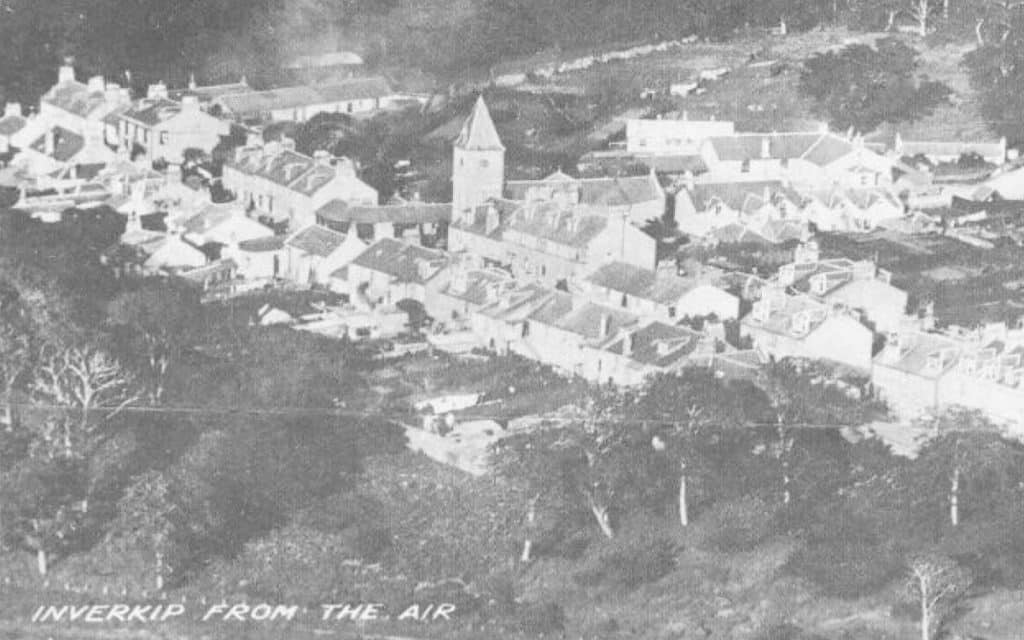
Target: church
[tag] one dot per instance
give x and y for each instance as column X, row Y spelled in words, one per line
column 549, row 231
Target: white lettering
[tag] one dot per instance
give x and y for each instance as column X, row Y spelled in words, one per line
column 214, row 610
column 444, row 610
column 411, row 612
column 372, row 611
column 286, row 612
column 78, row 612
column 118, row 611
column 236, row 612
column 172, row 611
column 97, row 613
column 138, row 613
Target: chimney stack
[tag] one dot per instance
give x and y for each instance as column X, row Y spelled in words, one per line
column 156, row 91
column 97, row 84
column 322, row 157
column 192, row 81
column 12, row 109
column 766, row 147
column 190, row 104
column 49, row 142
column 606, row 323
column 66, row 73
column 112, row 93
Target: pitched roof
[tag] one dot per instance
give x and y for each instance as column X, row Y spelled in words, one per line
column 586, row 319
column 659, row 344
column 287, row 168
column 472, row 286
column 210, row 92
column 916, row 349
column 405, row 213
column 210, row 216
column 661, row 287
column 355, row 89
column 818, row 148
column 332, row 59
column 606, row 192
column 66, row 144
column 255, row 102
column 12, row 124
column 573, row 227
column 478, row 132
column 152, row 112
column 737, row 195
column 316, row 240
column 260, row 245
column 74, row 97
column 406, row 262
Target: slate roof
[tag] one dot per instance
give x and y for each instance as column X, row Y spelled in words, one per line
column 152, row 112
column 66, row 144
column 210, row 216
column 210, row 92
column 332, row 59
column 737, row 196
column 316, row 240
column 12, row 124
column 659, row 344
column 478, row 132
column 405, row 213
column 585, row 320
column 260, row 245
column 819, row 148
column 75, row 98
column 573, row 227
column 477, row 282
column 915, row 351
column 664, row 288
column 607, row 192
column 287, row 168
column 255, row 102
column 401, row 260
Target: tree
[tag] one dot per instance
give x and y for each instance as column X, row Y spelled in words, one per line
column 861, row 86
column 938, row 584
column 148, row 516
column 996, row 70
column 45, row 504
column 966, row 456
column 71, row 383
column 807, row 393
column 157, row 321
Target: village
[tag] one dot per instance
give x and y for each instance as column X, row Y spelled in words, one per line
column 570, row 272
column 508, row 318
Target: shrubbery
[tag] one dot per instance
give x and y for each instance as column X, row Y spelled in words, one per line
column 737, row 525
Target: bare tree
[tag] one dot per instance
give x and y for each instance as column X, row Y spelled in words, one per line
column 82, row 380
column 938, row 584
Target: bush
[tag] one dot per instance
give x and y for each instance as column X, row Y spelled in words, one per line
column 846, row 568
column 628, row 564
column 540, row 619
column 737, row 525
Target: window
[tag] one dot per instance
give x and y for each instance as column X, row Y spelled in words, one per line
column 163, row 137
column 671, row 312
column 625, row 301
column 145, row 136
column 526, row 329
column 745, row 166
column 349, row 107
column 784, row 163
column 484, row 164
column 543, row 270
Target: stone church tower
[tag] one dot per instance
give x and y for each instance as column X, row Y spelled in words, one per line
column 478, row 163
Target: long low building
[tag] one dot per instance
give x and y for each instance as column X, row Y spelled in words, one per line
column 299, row 103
